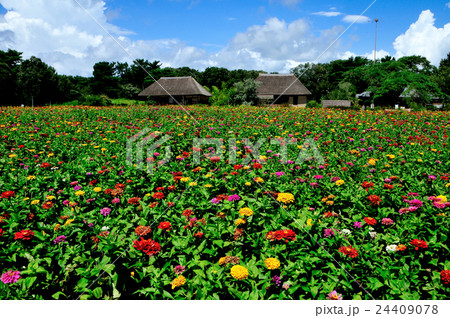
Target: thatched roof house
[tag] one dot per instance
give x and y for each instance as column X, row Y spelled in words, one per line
column 282, row 89
column 336, row 103
column 170, row 90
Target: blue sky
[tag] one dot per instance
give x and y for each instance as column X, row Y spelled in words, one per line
column 272, row 35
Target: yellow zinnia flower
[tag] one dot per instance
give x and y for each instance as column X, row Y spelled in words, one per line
column 285, row 198
column 31, row 177
column 340, row 182
column 79, row 193
column 272, row 263
column 239, row 272
column 35, row 202
column 239, row 222
column 246, row 212
column 177, row 282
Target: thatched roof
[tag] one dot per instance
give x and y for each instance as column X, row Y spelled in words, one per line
column 336, row 103
column 276, row 84
column 175, row 86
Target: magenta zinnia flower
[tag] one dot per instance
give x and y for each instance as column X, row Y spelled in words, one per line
column 387, row 221
column 59, row 239
column 10, row 277
column 328, row 232
column 234, row 197
column 105, row 211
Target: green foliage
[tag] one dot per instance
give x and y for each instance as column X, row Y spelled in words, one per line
column 313, row 104
column 97, row 100
column 244, row 93
column 220, row 97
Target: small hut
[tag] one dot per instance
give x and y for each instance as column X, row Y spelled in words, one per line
column 174, row 90
column 282, row 89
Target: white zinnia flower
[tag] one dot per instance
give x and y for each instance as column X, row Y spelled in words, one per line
column 391, row 248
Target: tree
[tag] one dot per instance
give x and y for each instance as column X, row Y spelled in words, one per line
column 9, row 64
column 443, row 76
column 139, row 72
column 245, row 93
column 214, row 76
column 315, row 79
column 104, row 81
column 220, row 97
column 37, row 81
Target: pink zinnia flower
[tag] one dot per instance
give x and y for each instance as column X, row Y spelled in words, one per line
column 328, row 232
column 334, row 296
column 115, row 200
column 387, row 221
column 10, row 277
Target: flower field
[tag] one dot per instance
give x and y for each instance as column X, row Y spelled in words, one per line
column 370, row 221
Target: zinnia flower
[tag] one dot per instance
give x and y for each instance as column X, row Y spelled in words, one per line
column 419, row 244
column 149, row 247
column 178, row 270
column 285, row 198
column 239, row 272
column 334, row 296
column 24, row 235
column 8, row 194
column 177, row 282
column 246, row 212
column 445, row 276
column 105, row 211
column 59, row 239
column 349, row 251
column 165, row 226
column 272, row 263
column 10, row 277
column 374, row 199
column 370, row 221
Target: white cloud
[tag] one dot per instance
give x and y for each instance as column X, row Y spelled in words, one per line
column 328, row 13
column 73, row 43
column 289, row 3
column 448, row 5
column 350, row 18
column 425, row 39
column 277, row 45
column 380, row 54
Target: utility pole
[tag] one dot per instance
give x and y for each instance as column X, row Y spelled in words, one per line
column 375, row 52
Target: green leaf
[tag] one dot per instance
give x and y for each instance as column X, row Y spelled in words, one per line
column 97, row 292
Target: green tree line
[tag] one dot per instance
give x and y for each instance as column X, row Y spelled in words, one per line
column 31, row 81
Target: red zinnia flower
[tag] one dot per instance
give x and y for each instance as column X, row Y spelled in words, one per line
column 158, row 195
column 349, row 251
column 149, row 247
column 165, row 226
column 8, row 194
column 370, row 221
column 388, row 186
column 367, row 185
column 257, row 165
column 153, row 204
column 419, row 244
column 445, row 276
column 188, row 212
column 237, row 167
column 198, row 235
column 45, row 165
column 374, row 199
column 92, row 182
column 287, row 235
column 120, row 186
column 142, row 230
column 159, row 189
column 134, row 200
column 24, row 235
column 171, row 188
column 48, row 205
column 2, row 231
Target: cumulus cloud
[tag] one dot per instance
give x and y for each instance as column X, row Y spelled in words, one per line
column 350, row 18
column 73, row 43
column 448, row 5
column 277, row 46
column 425, row 39
column 328, row 13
